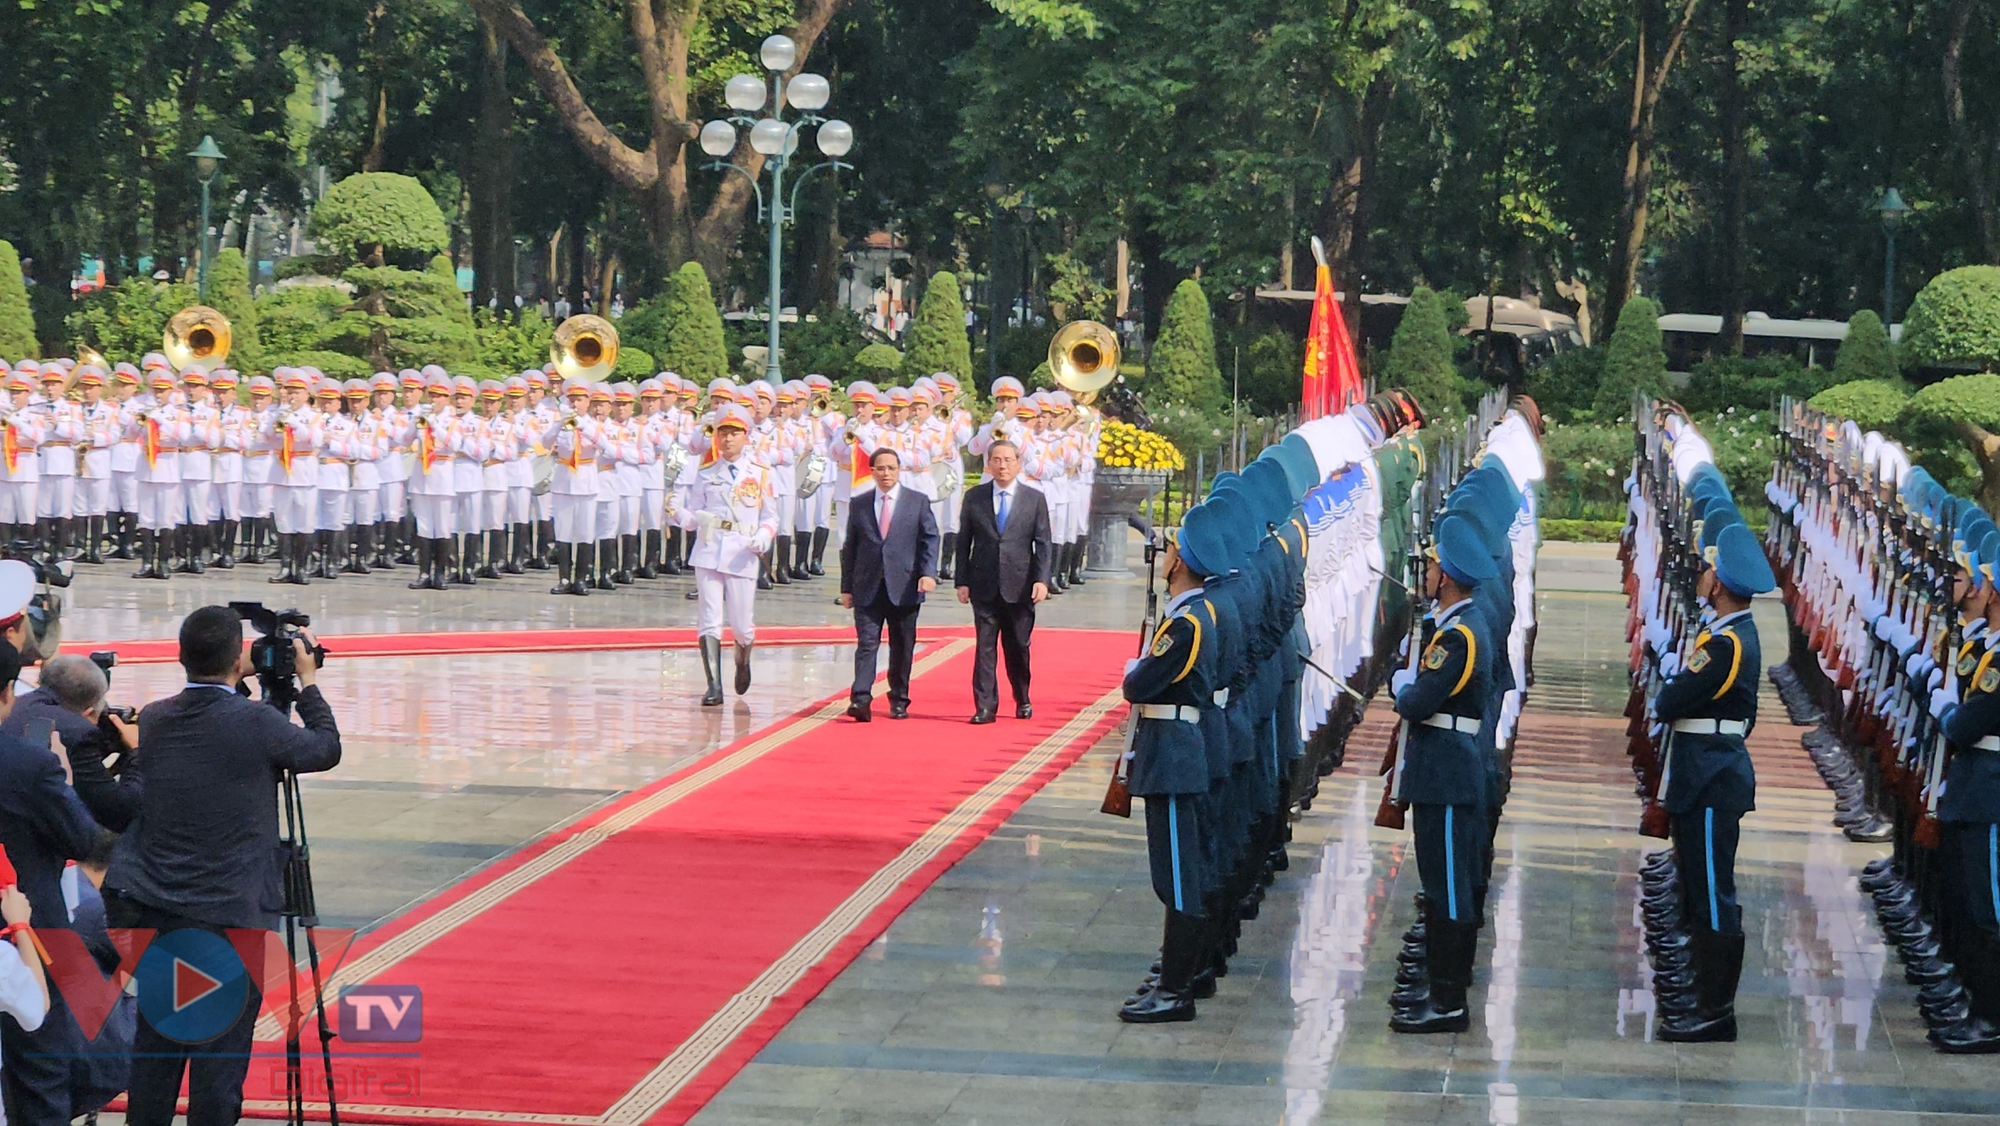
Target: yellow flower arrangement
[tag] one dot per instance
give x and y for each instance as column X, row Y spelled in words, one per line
column 1124, row 446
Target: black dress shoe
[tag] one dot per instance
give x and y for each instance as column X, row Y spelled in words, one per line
column 899, row 711
column 982, row 716
column 1025, row 711
column 1972, row 1036
column 1157, row 1006
column 857, row 710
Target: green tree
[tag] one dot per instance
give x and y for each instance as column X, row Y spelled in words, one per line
column 937, row 339
column 1865, row 352
column 1182, row 368
column 1420, row 355
column 229, row 294
column 1873, row 404
column 1635, row 360
column 372, row 216
column 1955, row 320
column 1968, row 405
column 125, row 321
column 17, row 323
column 878, row 363
column 374, row 224
column 690, row 343
column 445, row 277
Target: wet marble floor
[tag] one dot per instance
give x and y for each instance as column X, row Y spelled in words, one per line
column 992, row 999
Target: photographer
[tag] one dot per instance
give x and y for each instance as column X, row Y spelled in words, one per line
column 70, row 699
column 204, row 853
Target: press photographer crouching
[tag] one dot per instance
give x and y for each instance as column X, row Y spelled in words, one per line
column 97, row 739
column 204, row 853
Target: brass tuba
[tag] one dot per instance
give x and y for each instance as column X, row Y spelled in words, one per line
column 86, row 356
column 197, row 337
column 1084, row 358
column 585, row 347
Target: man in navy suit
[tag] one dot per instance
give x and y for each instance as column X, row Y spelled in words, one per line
column 888, row 562
column 1003, row 568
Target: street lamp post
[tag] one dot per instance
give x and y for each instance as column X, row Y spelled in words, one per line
column 776, row 140
column 1025, row 212
column 1892, row 209
column 207, row 159
column 995, row 188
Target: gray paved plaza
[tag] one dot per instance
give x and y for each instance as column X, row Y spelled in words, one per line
column 991, row 1001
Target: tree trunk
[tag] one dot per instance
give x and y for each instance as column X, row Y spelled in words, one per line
column 1736, row 189
column 378, row 130
column 1649, row 81
column 1351, row 200
column 1974, row 151
column 492, row 179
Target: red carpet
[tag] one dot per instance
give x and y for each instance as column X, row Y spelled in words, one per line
column 620, row 971
column 470, row 643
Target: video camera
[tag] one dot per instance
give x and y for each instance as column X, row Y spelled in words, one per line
column 272, row 655
column 44, row 612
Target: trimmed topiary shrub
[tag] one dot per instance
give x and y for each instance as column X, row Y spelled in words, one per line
column 1182, row 368
column 229, row 294
column 1873, row 404
column 634, row 364
column 515, row 345
column 17, row 321
column 374, row 215
column 685, row 336
column 1969, row 405
column 1955, row 320
column 937, row 341
column 878, row 363
column 1865, row 352
column 1420, row 355
column 1634, row 361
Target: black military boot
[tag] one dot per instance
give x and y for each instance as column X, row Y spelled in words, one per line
column 363, row 536
column 1451, row 944
column 586, row 561
column 819, row 552
column 670, row 562
column 1169, row 998
column 382, row 535
column 742, row 668
column 801, row 544
column 424, row 580
column 1076, row 563
column 525, row 558
column 441, row 562
column 93, row 532
column 607, row 562
column 284, row 559
column 254, row 542
column 649, row 556
column 225, row 556
column 628, row 560
column 301, row 547
column 514, row 555
column 1978, row 1033
column 494, row 549
column 764, row 572
column 565, row 576
column 545, row 536
column 144, row 554
column 781, row 561
column 711, row 664
column 455, row 573
column 1718, row 964
column 406, row 540
column 123, row 525
column 947, row 552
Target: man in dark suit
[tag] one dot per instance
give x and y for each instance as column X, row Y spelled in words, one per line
column 204, row 853
column 1004, row 553
column 888, row 562
column 43, row 825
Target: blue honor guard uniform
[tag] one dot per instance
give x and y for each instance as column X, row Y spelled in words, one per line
column 1446, row 779
column 1968, row 813
column 1709, row 706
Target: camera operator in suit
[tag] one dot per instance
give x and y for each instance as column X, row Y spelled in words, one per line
column 888, row 562
column 1003, row 566
column 204, row 853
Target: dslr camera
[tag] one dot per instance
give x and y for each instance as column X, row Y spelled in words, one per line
column 272, row 655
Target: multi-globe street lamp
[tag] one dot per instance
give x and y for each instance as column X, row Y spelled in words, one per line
column 776, row 140
column 207, row 160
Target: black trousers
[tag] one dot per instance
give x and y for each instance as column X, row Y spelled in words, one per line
column 1010, row 626
column 38, row 1066
column 870, row 622
column 215, row 1068
column 1974, row 866
column 1705, row 841
column 1450, row 840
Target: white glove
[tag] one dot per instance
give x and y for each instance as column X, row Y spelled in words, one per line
column 1403, row 679
column 704, row 524
column 1941, row 702
column 1657, row 636
column 1935, row 678
column 1883, row 628
column 1670, row 665
column 763, row 541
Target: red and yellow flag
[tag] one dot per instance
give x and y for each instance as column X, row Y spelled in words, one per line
column 1332, row 380
column 152, row 441
column 860, row 475
column 9, row 445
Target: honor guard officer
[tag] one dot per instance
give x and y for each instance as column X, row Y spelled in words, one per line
column 1968, row 811
column 56, row 496
column 1445, row 771
column 734, row 516
column 1171, row 689
column 1710, row 707
column 93, row 500
column 572, row 441
column 225, row 496
column 336, row 479
column 432, row 489
column 161, row 425
column 295, row 432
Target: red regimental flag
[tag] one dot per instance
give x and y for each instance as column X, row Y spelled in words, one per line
column 1343, row 370
column 1314, row 392
column 859, row 473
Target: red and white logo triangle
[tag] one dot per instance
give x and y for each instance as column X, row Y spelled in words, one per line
column 191, row 984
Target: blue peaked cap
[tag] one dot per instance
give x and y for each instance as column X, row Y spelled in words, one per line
column 1462, row 551
column 1740, row 562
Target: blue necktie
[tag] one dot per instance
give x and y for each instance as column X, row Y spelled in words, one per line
column 1001, row 519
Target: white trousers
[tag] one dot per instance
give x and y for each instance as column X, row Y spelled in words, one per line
column 653, row 509
column 575, row 517
column 953, row 502
column 294, row 509
column 225, row 500
column 335, row 512
column 257, row 499
column 545, row 506
column 394, row 499
column 788, row 511
column 730, row 597
column 436, row 516
column 195, row 497
column 17, row 502
column 814, row 511
column 125, row 491
column 93, row 497
column 466, row 513
column 366, row 505
column 159, row 505
column 520, row 504
column 55, row 497
column 493, row 510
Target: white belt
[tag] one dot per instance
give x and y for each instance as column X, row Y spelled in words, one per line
column 1990, row 743
column 1221, row 697
column 1186, row 713
column 1712, row 726
column 1463, row 724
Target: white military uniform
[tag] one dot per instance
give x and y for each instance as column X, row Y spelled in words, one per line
column 732, row 510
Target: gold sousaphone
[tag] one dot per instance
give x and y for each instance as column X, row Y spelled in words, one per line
column 197, row 337
column 585, row 347
column 1084, row 358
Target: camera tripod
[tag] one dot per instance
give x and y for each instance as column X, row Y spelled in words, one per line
column 301, row 915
